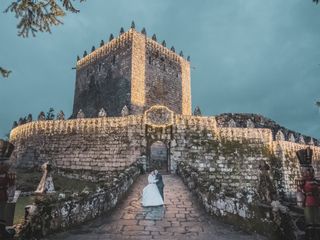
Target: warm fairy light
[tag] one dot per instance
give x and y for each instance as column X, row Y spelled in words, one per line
column 65, row 127
column 127, row 36
column 186, row 88
column 149, row 119
column 138, row 70
column 105, row 49
column 98, row 125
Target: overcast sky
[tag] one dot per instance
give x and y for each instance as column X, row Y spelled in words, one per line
column 248, row 56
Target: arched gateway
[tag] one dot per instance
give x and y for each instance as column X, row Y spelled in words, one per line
column 158, row 122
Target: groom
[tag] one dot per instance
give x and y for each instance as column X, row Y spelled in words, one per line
column 159, row 183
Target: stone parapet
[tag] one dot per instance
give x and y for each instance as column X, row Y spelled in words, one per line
column 52, row 214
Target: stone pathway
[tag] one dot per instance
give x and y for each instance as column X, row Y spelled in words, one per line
column 180, row 218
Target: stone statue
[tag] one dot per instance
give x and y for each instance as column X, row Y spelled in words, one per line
column 46, row 183
column 60, row 115
column 197, row 111
column 102, row 113
column 125, row 111
column 41, row 116
column 80, row 114
column 164, row 43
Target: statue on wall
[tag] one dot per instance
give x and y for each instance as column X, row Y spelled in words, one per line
column 46, row 184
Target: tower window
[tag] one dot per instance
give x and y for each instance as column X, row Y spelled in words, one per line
column 114, row 59
column 150, row 60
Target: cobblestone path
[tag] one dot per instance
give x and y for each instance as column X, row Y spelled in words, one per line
column 180, row 218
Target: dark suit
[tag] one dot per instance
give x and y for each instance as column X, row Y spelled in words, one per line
column 160, row 184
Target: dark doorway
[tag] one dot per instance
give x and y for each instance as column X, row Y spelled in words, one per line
column 159, row 156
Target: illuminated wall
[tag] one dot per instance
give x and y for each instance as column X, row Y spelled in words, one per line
column 231, row 155
column 135, row 71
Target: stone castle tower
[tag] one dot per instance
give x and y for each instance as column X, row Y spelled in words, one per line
column 135, row 71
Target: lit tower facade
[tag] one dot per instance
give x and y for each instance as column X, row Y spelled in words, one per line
column 135, row 71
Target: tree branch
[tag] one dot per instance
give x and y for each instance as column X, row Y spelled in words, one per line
column 4, row 72
column 39, row 16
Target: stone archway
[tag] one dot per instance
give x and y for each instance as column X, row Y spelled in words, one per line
column 158, row 156
column 158, row 128
column 158, row 139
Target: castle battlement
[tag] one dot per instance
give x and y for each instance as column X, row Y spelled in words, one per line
column 135, row 71
column 115, row 43
column 121, row 41
column 171, row 55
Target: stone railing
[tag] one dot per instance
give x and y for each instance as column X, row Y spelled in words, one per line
column 241, row 207
column 52, row 214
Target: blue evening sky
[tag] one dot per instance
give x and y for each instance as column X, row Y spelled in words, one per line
column 248, row 56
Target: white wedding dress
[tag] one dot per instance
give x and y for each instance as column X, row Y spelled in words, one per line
column 151, row 195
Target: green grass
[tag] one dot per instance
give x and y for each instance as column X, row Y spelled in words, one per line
column 19, row 211
column 28, row 180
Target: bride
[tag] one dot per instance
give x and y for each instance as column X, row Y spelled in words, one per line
column 151, row 195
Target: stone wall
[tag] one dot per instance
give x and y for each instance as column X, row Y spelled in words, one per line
column 247, row 120
column 231, row 155
column 103, row 79
column 242, row 207
column 100, row 144
column 135, row 71
column 163, row 82
column 52, row 214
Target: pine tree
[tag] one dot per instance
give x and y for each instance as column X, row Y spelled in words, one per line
column 38, row 16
